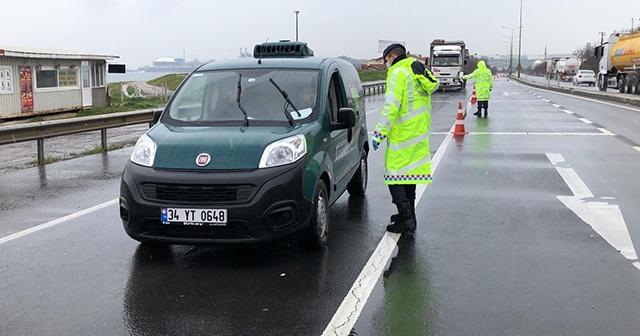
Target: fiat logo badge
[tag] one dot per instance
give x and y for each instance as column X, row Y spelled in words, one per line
column 203, row 159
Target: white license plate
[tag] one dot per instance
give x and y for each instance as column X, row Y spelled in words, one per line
column 444, row 80
column 193, row 216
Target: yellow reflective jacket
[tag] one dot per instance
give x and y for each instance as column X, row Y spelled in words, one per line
column 405, row 121
column 484, row 81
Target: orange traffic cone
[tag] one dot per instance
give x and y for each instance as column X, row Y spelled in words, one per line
column 473, row 98
column 459, row 130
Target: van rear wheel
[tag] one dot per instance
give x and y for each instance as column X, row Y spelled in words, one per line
column 358, row 184
column 315, row 237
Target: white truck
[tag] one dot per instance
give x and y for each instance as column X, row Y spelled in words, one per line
column 620, row 63
column 446, row 61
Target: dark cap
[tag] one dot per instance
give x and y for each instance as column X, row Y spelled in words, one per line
column 391, row 47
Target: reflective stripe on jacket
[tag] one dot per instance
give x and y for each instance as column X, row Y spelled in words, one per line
column 404, row 122
column 484, row 81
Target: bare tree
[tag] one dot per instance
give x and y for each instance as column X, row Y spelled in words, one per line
column 585, row 52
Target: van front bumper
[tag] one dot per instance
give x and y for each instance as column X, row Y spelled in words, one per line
column 263, row 205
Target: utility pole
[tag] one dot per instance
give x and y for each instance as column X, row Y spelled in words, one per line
column 297, row 12
column 511, row 52
column 520, row 41
column 601, row 37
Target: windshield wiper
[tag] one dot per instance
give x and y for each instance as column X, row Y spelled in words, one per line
column 246, row 117
column 289, row 102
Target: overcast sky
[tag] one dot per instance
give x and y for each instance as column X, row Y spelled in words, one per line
column 139, row 31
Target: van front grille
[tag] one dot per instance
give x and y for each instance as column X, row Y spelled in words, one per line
column 184, row 193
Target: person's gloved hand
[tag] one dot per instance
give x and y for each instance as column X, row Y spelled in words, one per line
column 375, row 145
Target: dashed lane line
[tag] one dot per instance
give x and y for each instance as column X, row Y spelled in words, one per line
column 590, row 99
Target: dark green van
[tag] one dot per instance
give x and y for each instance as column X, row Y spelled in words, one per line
column 250, row 151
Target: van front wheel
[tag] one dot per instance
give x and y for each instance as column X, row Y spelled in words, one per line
column 315, row 237
column 358, row 184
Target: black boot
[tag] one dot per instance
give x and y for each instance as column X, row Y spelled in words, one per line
column 407, row 221
column 396, row 217
column 479, row 113
column 486, row 113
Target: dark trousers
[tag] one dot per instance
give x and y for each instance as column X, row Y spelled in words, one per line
column 401, row 193
column 483, row 104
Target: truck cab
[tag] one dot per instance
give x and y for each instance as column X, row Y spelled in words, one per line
column 447, row 60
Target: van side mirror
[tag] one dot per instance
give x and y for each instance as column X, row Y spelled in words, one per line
column 346, row 119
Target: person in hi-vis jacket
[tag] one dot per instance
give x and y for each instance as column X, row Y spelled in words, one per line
column 484, row 85
column 404, row 123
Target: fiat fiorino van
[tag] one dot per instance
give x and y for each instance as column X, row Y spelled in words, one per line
column 250, row 151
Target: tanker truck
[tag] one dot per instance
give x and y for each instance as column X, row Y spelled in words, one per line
column 620, row 63
column 446, row 61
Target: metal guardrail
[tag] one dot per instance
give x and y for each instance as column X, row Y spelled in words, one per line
column 48, row 129
column 42, row 130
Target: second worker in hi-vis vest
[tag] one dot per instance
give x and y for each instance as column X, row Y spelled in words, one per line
column 404, row 123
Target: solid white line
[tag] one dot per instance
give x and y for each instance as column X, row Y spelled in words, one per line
column 604, row 132
column 56, row 221
column 586, row 121
column 347, row 314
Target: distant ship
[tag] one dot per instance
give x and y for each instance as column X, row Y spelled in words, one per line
column 179, row 65
column 173, row 65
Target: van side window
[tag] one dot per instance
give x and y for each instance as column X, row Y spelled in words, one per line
column 337, row 98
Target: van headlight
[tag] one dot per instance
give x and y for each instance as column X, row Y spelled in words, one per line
column 284, row 151
column 144, row 152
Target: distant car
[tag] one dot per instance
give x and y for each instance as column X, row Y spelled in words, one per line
column 584, row 77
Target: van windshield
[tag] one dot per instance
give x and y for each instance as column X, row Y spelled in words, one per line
column 211, row 97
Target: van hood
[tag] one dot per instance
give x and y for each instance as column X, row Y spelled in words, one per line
column 234, row 148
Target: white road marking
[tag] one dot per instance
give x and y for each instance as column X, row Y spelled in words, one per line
column 589, row 99
column 511, row 101
column 637, row 148
column 606, row 219
column 347, row 314
column 585, row 120
column 56, row 221
column 604, row 132
column 546, row 100
column 374, row 110
column 555, row 105
column 567, row 111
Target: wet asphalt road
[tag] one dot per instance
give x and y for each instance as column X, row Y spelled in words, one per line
column 497, row 252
